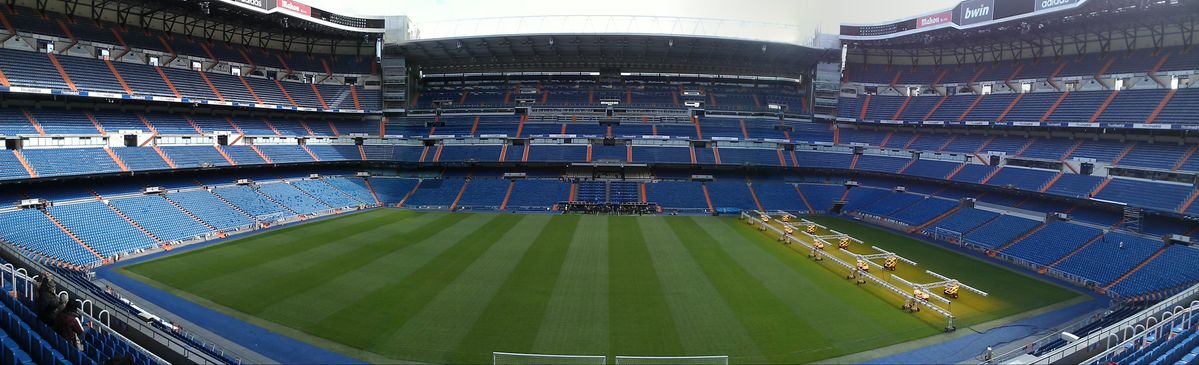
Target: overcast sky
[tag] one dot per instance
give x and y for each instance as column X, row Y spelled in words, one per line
column 804, row 14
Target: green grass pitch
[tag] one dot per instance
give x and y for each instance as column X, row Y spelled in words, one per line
column 392, row 285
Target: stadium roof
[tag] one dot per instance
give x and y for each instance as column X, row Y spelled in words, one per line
column 625, row 52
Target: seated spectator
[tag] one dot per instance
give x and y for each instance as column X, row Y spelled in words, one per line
column 68, row 326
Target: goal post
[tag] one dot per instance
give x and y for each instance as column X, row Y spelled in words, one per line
column 686, row 360
column 513, row 358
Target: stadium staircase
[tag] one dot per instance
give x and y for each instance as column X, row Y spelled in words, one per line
column 454, row 205
column 1018, row 239
column 1009, row 107
column 1161, row 105
column 371, row 189
column 1190, row 200
column 72, row 235
column 188, row 213
column 1073, row 252
column 507, row 194
column 260, row 154
column 854, row 164
column 100, row 128
column 287, row 96
column 1124, row 153
column 936, row 106
column 225, row 155
column 204, row 76
column 409, row 194
column 865, row 106
column 804, row 199
column 117, row 75
column 319, row 97
column 935, row 220
column 231, row 205
column 167, row 81
column 318, row 159
column 250, row 89
column 902, row 106
column 1099, row 187
column 1186, row 156
column 273, row 200
column 62, row 72
column 1159, row 252
column 707, row 197
column 136, row 225
column 750, row 186
column 1102, row 107
column 977, row 99
column 24, row 163
column 1052, row 181
column 343, row 193
column 116, row 159
column 33, row 121
column 991, row 174
column 1053, row 107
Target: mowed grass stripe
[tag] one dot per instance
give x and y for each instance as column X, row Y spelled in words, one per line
column 869, row 321
column 576, row 318
column 192, row 269
column 775, row 328
column 436, row 330
column 635, row 297
column 418, row 246
column 512, row 318
column 706, row 323
column 364, row 322
column 283, row 278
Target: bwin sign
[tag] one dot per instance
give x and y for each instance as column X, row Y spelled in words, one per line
column 975, row 13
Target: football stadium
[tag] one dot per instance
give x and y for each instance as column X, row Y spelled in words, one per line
column 274, row 182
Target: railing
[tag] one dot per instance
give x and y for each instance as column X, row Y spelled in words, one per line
column 24, row 284
column 1167, row 323
column 1122, row 330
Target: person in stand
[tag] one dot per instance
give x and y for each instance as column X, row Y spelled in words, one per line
column 46, row 299
column 68, row 326
column 1121, row 245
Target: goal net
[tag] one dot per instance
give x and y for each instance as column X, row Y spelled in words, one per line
column 686, row 360
column 511, row 358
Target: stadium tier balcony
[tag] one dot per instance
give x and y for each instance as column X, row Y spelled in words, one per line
column 999, row 231
column 484, row 193
column 69, row 161
column 435, row 193
column 1164, row 196
column 249, row 201
column 159, row 217
column 210, row 209
column 285, row 153
column 1166, row 269
column 99, row 226
column 327, row 194
column 1053, row 242
column 392, row 190
column 677, row 195
column 292, row 198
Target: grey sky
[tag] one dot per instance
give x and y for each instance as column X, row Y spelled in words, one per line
column 804, row 14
